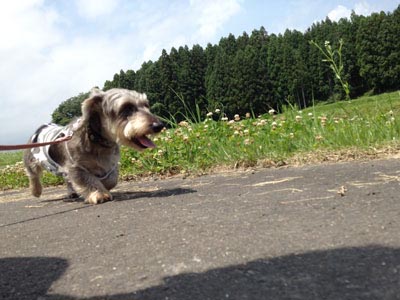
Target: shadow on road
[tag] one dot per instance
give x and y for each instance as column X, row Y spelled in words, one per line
column 118, row 196
column 44, row 216
column 347, row 273
column 127, row 195
column 122, row 196
column 29, row 277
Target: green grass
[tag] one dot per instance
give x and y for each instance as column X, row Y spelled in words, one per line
column 10, row 158
column 364, row 125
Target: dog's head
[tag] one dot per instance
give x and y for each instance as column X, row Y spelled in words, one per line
column 120, row 115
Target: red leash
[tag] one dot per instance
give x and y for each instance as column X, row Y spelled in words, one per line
column 34, row 145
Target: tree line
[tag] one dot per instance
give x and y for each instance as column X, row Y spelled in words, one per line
column 260, row 71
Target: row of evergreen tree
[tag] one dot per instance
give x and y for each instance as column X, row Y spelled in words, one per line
column 256, row 72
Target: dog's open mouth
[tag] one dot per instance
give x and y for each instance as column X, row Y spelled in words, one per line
column 143, row 142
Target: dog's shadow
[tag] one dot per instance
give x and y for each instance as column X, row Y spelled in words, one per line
column 131, row 195
column 162, row 193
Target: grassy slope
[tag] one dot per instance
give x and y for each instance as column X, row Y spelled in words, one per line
column 365, row 106
column 359, row 126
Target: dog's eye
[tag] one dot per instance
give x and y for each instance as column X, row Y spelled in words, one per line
column 128, row 110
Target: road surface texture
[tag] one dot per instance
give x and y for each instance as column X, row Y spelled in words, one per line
column 329, row 231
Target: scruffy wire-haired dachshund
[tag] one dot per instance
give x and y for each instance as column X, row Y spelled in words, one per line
column 89, row 161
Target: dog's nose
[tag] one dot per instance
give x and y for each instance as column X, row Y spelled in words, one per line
column 157, row 127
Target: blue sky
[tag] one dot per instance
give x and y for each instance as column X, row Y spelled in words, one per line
column 53, row 50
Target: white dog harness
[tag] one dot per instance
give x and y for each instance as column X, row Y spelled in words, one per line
column 48, row 133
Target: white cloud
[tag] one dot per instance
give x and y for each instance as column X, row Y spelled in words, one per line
column 40, row 67
column 360, row 8
column 210, row 15
column 92, row 9
column 28, row 30
column 180, row 24
column 339, row 12
column 159, row 31
column 26, row 23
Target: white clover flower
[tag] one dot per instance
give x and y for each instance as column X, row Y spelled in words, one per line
column 237, row 117
column 261, row 123
column 217, row 111
column 209, row 114
column 224, row 119
column 271, row 111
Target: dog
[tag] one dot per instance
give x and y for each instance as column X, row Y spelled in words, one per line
column 89, row 160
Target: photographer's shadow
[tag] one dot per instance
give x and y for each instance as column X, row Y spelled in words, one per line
column 370, row 272
column 26, row 278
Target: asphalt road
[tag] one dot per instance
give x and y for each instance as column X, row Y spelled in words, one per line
column 314, row 232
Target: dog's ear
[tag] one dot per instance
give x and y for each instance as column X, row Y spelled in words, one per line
column 91, row 112
column 92, row 105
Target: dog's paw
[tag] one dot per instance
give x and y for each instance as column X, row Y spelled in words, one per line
column 72, row 195
column 97, row 197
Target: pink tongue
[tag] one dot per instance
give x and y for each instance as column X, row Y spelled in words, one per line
column 146, row 142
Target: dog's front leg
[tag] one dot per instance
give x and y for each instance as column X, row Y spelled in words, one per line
column 89, row 186
column 72, row 194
